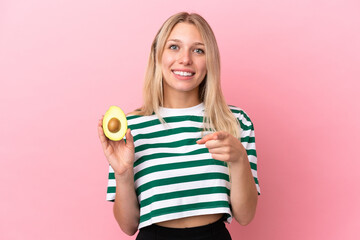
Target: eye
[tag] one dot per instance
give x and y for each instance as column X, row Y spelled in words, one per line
column 199, row 51
column 174, row 47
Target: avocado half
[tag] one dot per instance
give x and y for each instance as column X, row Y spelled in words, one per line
column 114, row 123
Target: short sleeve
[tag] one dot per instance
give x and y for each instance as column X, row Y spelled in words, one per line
column 111, row 188
column 248, row 141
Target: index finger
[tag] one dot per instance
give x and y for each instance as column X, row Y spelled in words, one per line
column 101, row 131
column 212, row 136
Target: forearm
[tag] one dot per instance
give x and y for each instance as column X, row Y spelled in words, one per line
column 243, row 194
column 126, row 207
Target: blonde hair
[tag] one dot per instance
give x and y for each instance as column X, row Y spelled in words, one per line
column 217, row 114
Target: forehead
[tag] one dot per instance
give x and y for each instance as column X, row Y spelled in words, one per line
column 185, row 31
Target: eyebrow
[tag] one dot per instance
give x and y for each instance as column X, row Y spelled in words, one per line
column 177, row 40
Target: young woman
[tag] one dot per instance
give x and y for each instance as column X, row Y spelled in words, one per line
column 189, row 161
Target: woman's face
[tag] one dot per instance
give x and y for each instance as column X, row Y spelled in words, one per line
column 183, row 61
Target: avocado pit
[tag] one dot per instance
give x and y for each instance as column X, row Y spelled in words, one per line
column 114, row 125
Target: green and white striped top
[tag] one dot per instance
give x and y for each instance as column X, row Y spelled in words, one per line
column 174, row 176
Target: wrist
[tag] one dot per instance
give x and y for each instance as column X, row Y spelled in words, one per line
column 242, row 164
column 240, row 160
column 127, row 176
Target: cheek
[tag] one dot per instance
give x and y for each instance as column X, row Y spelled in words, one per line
column 201, row 64
column 166, row 60
column 203, row 68
column 163, row 63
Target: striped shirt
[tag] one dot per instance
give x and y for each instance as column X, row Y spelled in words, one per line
column 174, row 176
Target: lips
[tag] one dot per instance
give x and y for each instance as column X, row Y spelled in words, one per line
column 183, row 73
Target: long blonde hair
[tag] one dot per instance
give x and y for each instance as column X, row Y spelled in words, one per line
column 217, row 114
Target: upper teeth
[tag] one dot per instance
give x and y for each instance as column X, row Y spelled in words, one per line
column 183, row 73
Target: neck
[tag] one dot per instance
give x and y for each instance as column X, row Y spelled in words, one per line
column 181, row 100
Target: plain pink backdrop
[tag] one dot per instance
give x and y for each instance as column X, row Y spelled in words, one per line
column 293, row 66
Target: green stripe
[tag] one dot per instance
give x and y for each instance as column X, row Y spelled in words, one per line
column 234, row 110
column 180, row 143
column 251, row 152
column 167, row 132
column 245, row 115
column 144, row 124
column 248, row 139
column 182, row 179
column 256, row 180
column 167, row 120
column 111, row 175
column 245, row 127
column 183, row 208
column 253, row 166
column 179, row 165
column 163, row 155
column 184, row 193
column 111, row 190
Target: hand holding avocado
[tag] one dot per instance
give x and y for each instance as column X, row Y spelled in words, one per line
column 111, row 130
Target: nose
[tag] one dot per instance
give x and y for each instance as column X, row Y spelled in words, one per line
column 185, row 58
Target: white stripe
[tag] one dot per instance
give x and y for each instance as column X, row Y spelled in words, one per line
column 184, row 186
column 258, row 188
column 252, row 159
column 178, row 186
column 235, row 108
column 249, row 146
column 179, row 173
column 245, row 133
column 254, row 173
column 161, row 127
column 182, row 149
column 110, row 196
column 168, row 139
column 141, row 119
column 243, row 120
column 111, row 183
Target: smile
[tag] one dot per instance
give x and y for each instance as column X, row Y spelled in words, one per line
column 183, row 74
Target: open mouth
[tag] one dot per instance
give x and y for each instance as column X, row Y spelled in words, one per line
column 183, row 73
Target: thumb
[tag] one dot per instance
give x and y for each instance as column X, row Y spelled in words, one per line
column 221, row 135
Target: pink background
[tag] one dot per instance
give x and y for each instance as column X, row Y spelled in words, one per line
column 293, row 66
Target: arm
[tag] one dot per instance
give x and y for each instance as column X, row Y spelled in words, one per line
column 121, row 155
column 126, row 207
column 243, row 195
